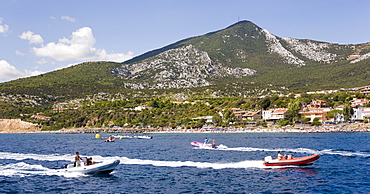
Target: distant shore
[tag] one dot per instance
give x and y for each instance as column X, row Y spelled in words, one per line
column 343, row 128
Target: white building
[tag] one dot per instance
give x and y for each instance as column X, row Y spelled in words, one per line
column 361, row 113
column 274, row 114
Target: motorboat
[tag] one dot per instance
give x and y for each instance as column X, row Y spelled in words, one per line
column 144, row 137
column 97, row 168
column 302, row 161
column 132, row 137
column 203, row 145
column 109, row 139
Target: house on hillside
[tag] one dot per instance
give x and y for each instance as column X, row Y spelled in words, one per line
column 252, row 115
column 238, row 113
column 274, row 114
column 317, row 104
column 359, row 102
column 317, row 109
column 361, row 113
column 140, row 108
column 40, row 117
column 366, row 90
column 207, row 119
column 319, row 113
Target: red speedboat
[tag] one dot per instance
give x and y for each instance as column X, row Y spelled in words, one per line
column 302, row 161
column 203, row 145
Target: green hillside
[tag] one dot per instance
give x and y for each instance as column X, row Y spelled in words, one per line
column 242, row 45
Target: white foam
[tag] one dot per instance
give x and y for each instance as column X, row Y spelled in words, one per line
column 295, row 150
column 21, row 169
column 52, row 157
column 243, row 164
column 24, row 169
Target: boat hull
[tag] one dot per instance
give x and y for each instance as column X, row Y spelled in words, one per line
column 202, row 145
column 100, row 168
column 302, row 161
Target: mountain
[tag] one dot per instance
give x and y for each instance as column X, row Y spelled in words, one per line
column 248, row 53
column 242, row 59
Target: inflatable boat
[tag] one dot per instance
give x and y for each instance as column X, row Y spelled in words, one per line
column 302, row 161
column 202, row 145
column 97, row 168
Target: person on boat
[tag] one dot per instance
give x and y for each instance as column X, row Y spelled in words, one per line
column 213, row 143
column 77, row 160
column 110, row 139
column 206, row 141
column 90, row 161
column 280, row 155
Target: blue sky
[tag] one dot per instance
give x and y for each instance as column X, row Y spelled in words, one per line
column 39, row 36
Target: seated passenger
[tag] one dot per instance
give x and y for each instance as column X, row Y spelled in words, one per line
column 84, row 160
column 89, row 161
column 213, row 143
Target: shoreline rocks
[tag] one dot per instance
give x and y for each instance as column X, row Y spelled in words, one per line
column 18, row 126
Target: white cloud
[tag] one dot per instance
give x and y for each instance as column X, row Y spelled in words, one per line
column 68, row 18
column 9, row 72
column 3, row 27
column 32, row 37
column 78, row 47
column 17, row 52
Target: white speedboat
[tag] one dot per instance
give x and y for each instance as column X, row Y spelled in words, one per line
column 144, row 137
column 132, row 137
column 97, row 168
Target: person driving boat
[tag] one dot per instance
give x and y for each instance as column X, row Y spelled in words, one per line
column 280, row 155
column 77, row 160
column 206, row 141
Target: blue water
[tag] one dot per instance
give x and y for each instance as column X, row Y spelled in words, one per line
column 168, row 164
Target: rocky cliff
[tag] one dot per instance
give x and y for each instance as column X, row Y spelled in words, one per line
column 17, row 125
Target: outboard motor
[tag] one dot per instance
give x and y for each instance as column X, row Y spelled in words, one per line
column 268, row 158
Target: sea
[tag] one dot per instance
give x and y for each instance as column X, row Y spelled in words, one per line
column 169, row 164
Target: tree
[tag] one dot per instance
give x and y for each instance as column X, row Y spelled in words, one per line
column 264, row 103
column 293, row 111
column 316, row 122
column 347, row 112
column 229, row 116
column 333, row 114
column 217, row 120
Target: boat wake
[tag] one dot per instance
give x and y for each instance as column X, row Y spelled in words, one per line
column 21, row 168
column 300, row 150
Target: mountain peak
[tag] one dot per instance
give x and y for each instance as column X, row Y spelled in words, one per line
column 241, row 55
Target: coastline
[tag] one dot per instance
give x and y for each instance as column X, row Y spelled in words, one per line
column 343, row 128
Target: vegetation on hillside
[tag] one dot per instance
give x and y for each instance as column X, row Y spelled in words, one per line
column 164, row 113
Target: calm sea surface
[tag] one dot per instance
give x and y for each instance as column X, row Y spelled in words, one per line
column 169, row 164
